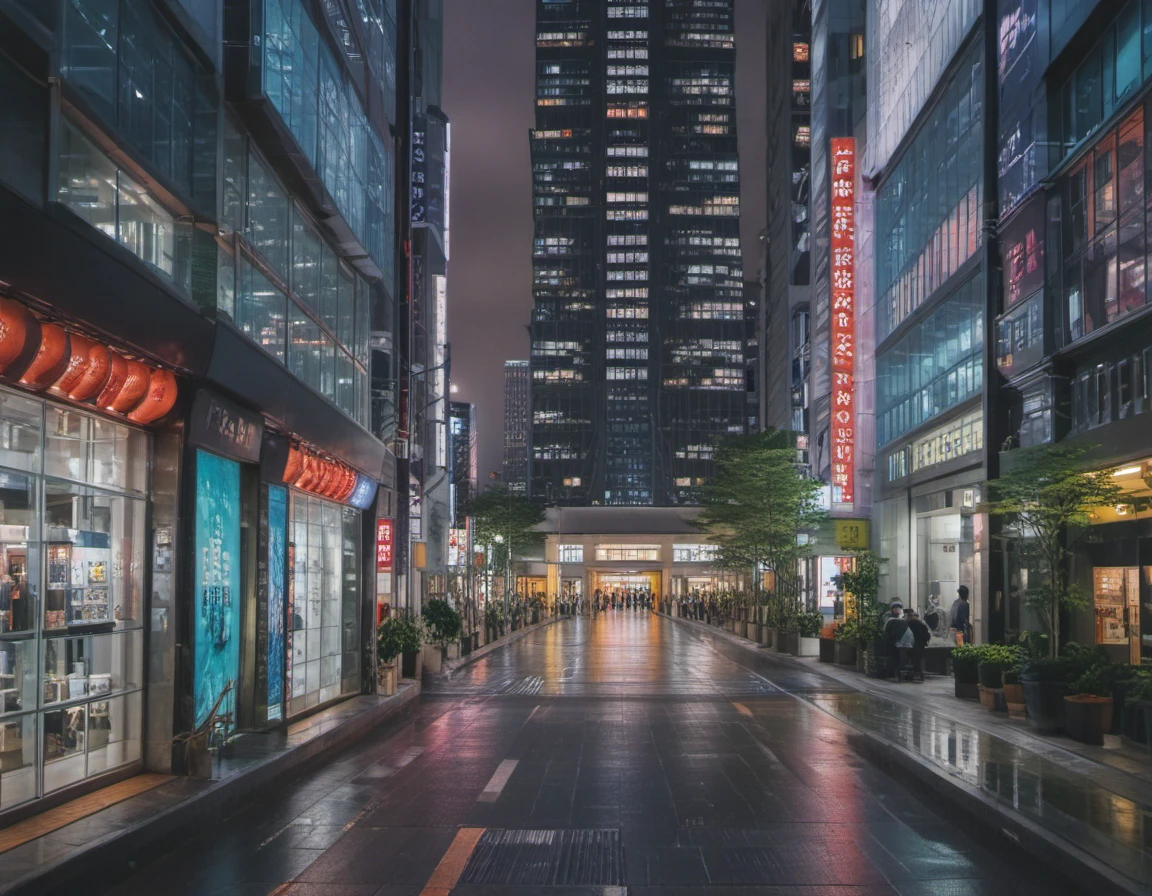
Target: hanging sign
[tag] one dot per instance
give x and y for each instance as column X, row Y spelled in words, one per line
column 843, row 320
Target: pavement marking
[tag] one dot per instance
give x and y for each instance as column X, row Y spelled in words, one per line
column 492, row 789
column 534, row 710
column 448, row 872
column 742, row 709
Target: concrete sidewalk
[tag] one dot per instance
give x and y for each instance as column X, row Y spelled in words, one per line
column 164, row 815
column 1084, row 810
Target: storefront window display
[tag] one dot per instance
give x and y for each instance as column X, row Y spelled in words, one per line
column 73, row 490
column 324, row 599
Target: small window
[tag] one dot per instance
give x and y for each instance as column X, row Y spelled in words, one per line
column 571, row 553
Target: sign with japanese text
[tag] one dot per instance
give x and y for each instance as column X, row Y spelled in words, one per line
column 843, row 249
column 384, row 529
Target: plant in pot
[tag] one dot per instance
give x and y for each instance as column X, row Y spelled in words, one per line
column 1088, row 709
column 412, row 656
column 1045, row 681
column 395, row 636
column 847, row 640
column 444, row 625
column 1139, row 703
column 828, row 642
column 994, row 659
column 808, row 625
column 965, row 671
column 493, row 622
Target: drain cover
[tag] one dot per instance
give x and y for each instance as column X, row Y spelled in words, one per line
column 547, row 858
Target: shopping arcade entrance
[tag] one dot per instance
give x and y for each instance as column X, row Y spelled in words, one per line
column 619, row 582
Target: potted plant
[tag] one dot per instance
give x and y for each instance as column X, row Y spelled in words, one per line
column 994, row 659
column 1088, row 709
column 395, row 636
column 808, row 625
column 828, row 642
column 1014, row 694
column 444, row 625
column 1045, row 681
column 493, row 623
column 965, row 671
column 412, row 657
column 1139, row 703
column 846, row 643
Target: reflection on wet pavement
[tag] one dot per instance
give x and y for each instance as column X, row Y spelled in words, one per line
column 620, row 755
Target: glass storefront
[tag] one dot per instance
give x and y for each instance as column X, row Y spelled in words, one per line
column 324, row 602
column 73, row 500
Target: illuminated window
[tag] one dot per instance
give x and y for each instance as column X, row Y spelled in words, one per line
column 627, row 110
column 692, row 553
column 648, row 552
column 570, row 553
column 799, row 52
column 627, row 171
column 857, row 42
column 803, row 135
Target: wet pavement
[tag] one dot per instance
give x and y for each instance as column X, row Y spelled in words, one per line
column 627, row 754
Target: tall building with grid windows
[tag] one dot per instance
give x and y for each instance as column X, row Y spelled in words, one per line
column 517, row 402
column 638, row 328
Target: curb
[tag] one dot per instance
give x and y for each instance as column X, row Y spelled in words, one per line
column 451, row 666
column 984, row 815
column 162, row 832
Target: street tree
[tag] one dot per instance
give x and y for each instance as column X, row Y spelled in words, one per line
column 756, row 506
column 505, row 524
column 1045, row 498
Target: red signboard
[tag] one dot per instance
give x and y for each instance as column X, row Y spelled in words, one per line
column 843, row 250
column 384, row 545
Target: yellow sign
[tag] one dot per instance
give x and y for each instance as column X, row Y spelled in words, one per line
column 852, row 534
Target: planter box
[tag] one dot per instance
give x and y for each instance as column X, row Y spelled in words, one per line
column 788, row 642
column 386, row 679
column 809, row 646
column 1014, row 693
column 1045, row 702
column 454, row 651
column 433, row 658
column 989, row 676
column 412, row 664
column 993, row 698
column 742, row 628
column 1087, row 719
column 767, row 636
column 754, row 631
column 828, row 651
column 938, row 660
column 845, row 653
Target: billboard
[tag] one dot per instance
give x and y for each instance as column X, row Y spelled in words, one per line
column 385, row 530
column 277, row 597
column 216, row 624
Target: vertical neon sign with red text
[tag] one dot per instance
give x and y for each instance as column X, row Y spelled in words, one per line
column 843, row 319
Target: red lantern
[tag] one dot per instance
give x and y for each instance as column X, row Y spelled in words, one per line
column 95, row 374
column 134, row 389
column 116, row 377
column 51, row 358
column 161, row 397
column 79, row 348
column 19, row 337
column 295, row 465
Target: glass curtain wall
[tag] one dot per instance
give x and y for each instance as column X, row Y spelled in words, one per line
column 324, row 659
column 73, row 500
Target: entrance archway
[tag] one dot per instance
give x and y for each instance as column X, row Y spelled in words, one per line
column 608, row 582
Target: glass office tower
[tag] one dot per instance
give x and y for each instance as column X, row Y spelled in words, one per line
column 637, row 333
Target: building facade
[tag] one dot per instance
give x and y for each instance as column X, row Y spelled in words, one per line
column 203, row 254
column 930, row 157
column 1071, row 331
column 517, row 425
column 786, row 269
column 463, row 449
column 638, row 342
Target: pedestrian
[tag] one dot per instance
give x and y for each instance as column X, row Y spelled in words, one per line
column 895, row 630
column 922, row 635
column 962, row 616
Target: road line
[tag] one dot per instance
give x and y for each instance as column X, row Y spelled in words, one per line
column 493, row 788
column 742, row 709
column 448, row 872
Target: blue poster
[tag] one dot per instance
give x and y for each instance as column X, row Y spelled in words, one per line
column 277, row 597
column 217, row 577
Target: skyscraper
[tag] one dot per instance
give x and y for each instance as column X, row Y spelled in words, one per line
column 516, row 420
column 638, row 328
column 462, row 424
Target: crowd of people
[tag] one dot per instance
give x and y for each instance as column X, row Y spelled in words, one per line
column 907, row 635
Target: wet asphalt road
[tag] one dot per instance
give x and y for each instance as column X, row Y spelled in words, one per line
column 620, row 755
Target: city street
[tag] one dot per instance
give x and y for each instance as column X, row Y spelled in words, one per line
column 621, row 754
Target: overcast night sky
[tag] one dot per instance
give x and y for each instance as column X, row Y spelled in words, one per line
column 489, row 72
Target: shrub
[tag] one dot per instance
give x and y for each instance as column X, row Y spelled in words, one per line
column 1095, row 680
column 1047, row 669
column 1141, row 689
column 1001, row 655
column 848, row 631
column 444, row 622
column 970, row 652
column 397, row 635
column 809, row 624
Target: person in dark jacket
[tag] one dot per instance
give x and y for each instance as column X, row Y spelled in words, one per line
column 923, row 636
column 962, row 614
column 895, row 628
